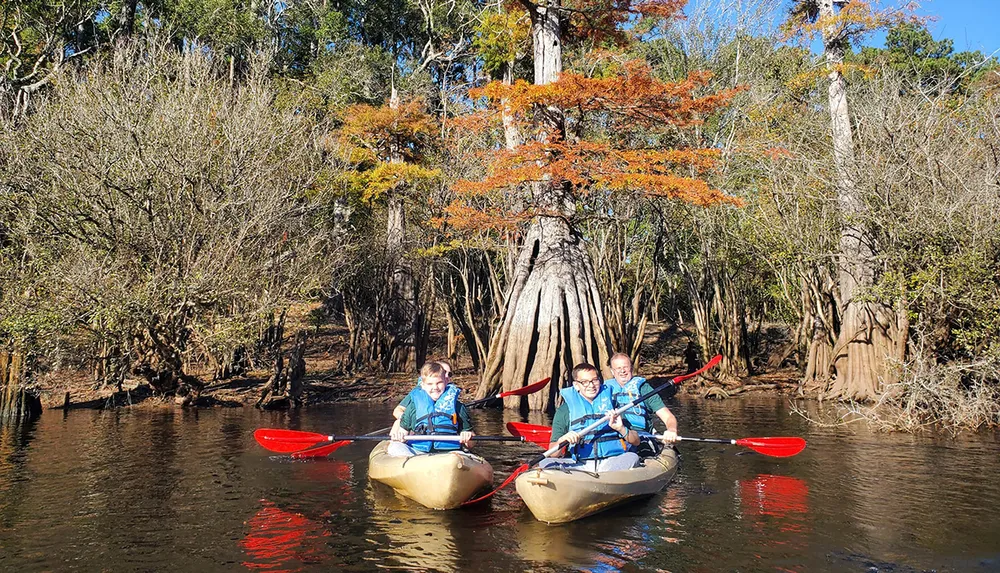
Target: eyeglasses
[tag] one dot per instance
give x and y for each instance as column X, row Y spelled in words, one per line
column 592, row 382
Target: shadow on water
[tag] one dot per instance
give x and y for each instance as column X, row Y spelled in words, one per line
column 15, row 441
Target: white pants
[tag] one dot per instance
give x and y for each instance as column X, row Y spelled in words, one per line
column 614, row 463
column 403, row 450
column 400, row 450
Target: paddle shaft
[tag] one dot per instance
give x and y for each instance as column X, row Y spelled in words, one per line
column 777, row 447
column 412, row 438
column 706, row 440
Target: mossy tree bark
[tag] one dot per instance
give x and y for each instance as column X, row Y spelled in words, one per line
column 18, row 403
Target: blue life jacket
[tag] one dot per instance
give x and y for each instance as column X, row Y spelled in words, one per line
column 638, row 415
column 435, row 418
column 605, row 441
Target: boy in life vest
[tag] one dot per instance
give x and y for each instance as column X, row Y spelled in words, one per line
column 434, row 409
column 588, row 400
column 397, row 412
column 639, row 416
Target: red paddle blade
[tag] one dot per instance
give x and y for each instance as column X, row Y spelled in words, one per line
column 285, row 441
column 529, row 389
column 321, row 451
column 711, row 364
column 781, row 447
column 541, row 435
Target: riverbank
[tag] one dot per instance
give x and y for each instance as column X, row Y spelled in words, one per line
column 326, row 381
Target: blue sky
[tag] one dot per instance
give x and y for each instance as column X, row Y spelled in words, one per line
column 971, row 24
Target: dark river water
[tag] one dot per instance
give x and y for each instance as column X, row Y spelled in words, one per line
column 173, row 490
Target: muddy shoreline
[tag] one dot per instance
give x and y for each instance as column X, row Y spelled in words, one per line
column 326, row 382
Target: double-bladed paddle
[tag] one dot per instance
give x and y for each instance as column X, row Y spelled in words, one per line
column 776, row 447
column 291, row 441
column 522, row 391
column 597, row 424
column 324, row 447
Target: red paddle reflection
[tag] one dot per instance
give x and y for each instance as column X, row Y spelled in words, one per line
column 336, row 478
column 333, row 472
column 283, row 541
column 777, row 508
column 774, row 496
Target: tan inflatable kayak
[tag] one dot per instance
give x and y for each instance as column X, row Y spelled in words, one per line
column 557, row 495
column 438, row 481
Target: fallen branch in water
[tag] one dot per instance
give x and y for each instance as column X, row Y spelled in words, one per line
column 721, row 393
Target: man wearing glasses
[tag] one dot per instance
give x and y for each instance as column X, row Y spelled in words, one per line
column 586, row 401
column 638, row 417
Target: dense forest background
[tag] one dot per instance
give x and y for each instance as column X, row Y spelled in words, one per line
column 540, row 179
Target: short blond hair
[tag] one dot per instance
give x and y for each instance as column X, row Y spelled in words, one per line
column 432, row 369
column 444, row 364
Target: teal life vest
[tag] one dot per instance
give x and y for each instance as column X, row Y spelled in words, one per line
column 605, row 441
column 435, row 418
column 638, row 415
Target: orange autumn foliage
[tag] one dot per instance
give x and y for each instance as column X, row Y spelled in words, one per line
column 475, row 122
column 635, row 96
column 384, row 146
column 589, row 166
column 385, row 130
column 635, row 111
column 776, row 153
column 461, row 217
column 852, row 21
column 606, row 20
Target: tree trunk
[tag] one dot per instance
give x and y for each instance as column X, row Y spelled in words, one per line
column 19, row 404
column 553, row 320
column 297, row 368
column 126, row 18
column 423, row 316
column 626, row 301
column 512, row 136
column 470, row 327
column 869, row 334
column 732, row 326
column 701, row 312
column 271, row 341
column 406, row 323
column 450, row 344
column 820, row 323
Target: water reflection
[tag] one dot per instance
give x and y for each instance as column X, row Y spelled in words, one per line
column 165, row 489
column 283, row 541
column 420, row 539
column 776, row 508
column 14, row 473
column 334, row 480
